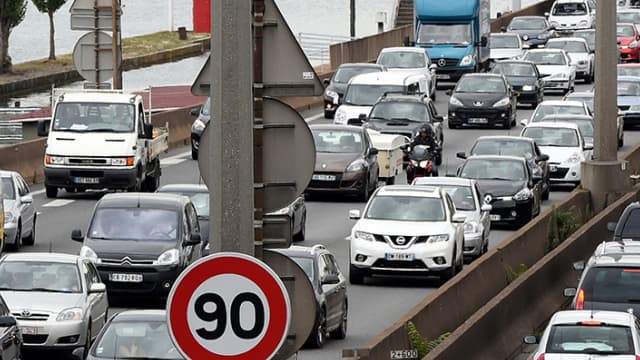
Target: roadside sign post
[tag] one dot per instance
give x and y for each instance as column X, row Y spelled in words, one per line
column 228, row 306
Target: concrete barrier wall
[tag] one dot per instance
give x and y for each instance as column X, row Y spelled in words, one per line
column 495, row 330
column 453, row 303
column 26, row 158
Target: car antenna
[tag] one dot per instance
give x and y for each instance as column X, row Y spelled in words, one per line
column 50, row 245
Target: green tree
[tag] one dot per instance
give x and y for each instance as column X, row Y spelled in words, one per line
column 11, row 14
column 50, row 7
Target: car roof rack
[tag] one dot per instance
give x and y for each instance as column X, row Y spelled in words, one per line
column 317, row 247
column 608, row 248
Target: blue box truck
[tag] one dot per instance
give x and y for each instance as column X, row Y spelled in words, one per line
column 455, row 34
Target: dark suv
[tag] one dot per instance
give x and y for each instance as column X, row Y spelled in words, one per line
column 203, row 115
column 141, row 242
column 628, row 225
column 330, row 287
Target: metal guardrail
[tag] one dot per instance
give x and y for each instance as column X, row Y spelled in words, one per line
column 316, row 46
column 10, row 132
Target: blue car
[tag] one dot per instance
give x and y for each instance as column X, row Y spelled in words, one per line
column 629, row 100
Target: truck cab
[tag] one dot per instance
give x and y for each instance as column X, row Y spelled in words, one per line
column 455, row 35
column 101, row 140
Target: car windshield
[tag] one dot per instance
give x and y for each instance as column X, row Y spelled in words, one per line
column 367, row 95
column 628, row 17
column 591, row 338
column 628, row 88
column 494, row 169
column 619, row 284
column 306, row 263
column 569, row 9
column 94, row 117
column 434, row 34
column 480, row 84
column 345, row 73
column 6, row 185
column 141, row 224
column 504, row 42
column 412, row 111
column 631, row 227
column 338, row 141
column 40, row 276
column 522, row 148
column 527, row 24
column 514, row 69
column 552, row 136
column 585, row 126
column 587, row 99
column 199, row 199
column 546, row 110
column 402, row 60
column 628, row 70
column 590, row 36
column 462, row 196
column 406, row 208
column 545, row 58
column 206, row 107
column 136, row 340
column 568, row 46
column 624, row 31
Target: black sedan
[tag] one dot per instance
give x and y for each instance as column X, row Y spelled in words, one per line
column 337, row 85
column 524, row 78
column 482, row 99
column 203, row 115
column 514, row 146
column 508, row 184
column 533, row 30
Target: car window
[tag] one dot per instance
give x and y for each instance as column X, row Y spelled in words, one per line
column 368, row 95
column 612, row 284
column 504, row 42
column 8, row 191
column 631, row 226
column 561, row 137
column 413, row 111
column 569, row 46
column 142, row 224
column 546, row 110
column 494, row 169
column 481, row 84
column 93, row 273
column 624, row 31
column 546, row 57
column 338, row 141
column 334, row 263
column 513, row 69
column 344, row 74
column 323, row 268
column 402, row 60
column 36, row 275
column 569, row 9
column 139, row 339
column 192, row 217
column 406, row 208
column 628, row 88
column 592, row 338
column 4, row 308
column 506, row 147
column 306, row 263
column 527, row 24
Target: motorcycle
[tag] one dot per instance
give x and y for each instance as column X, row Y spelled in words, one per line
column 421, row 163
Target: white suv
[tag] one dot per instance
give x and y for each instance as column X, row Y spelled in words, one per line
column 571, row 15
column 407, row 230
column 410, row 61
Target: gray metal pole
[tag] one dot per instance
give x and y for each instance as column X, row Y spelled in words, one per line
column 605, row 142
column 353, row 18
column 231, row 128
column 115, row 49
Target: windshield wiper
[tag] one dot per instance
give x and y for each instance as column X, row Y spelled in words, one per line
column 102, row 130
column 497, row 178
column 377, row 118
column 404, row 119
column 44, row 290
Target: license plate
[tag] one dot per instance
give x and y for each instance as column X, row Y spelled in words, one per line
column 399, row 257
column 86, row 180
column 553, row 168
column 494, row 217
column 321, row 177
column 135, row 278
column 477, row 120
column 443, row 76
column 29, row 330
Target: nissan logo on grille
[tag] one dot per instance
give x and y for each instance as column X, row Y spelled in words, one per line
column 400, row 240
column 442, row 62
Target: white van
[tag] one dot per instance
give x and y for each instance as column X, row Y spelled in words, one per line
column 571, row 15
column 363, row 91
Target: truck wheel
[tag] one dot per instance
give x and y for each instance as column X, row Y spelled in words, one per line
column 151, row 183
column 52, row 191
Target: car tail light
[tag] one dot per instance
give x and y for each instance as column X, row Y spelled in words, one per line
column 591, row 323
column 631, row 270
column 580, row 300
column 541, row 357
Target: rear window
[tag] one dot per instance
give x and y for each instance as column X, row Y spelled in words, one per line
column 631, row 227
column 612, row 285
column 6, row 188
column 600, row 339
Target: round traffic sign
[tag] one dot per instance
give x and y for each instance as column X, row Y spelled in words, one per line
column 228, row 306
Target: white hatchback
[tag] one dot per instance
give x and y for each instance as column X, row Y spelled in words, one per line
column 409, row 230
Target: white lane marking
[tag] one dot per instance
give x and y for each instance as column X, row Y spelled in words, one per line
column 37, row 192
column 176, row 159
column 58, row 203
column 314, row 117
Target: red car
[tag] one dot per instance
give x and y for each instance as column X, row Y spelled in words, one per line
column 628, row 37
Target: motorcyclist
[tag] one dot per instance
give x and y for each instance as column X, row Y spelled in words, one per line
column 425, row 137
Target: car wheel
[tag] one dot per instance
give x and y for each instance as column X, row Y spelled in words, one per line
column 52, row 191
column 545, row 193
column 341, row 332
column 317, row 337
column 452, row 126
column 450, row 272
column 301, row 234
column 31, row 239
column 18, row 240
column 433, row 95
column 364, row 195
column 621, row 141
column 356, row 276
column 460, row 265
column 328, row 114
column 507, row 124
column 87, row 344
column 194, row 151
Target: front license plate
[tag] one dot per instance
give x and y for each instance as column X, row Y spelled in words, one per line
column 321, row 177
column 86, row 180
column 134, row 278
column 29, row 330
column 443, row 76
column 399, row 256
column 478, row 120
column 494, row 217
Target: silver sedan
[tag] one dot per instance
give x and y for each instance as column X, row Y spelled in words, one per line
column 19, row 212
column 57, row 299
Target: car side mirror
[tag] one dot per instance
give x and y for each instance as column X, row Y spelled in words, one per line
column 433, row 67
column 588, row 147
column 97, row 288
column 503, row 29
column 486, row 207
column 526, row 46
column 373, row 151
column 611, row 226
column 449, row 92
column 546, row 14
column 7, row 321
column 461, row 155
column 78, row 353
column 354, row 214
column 330, row 279
column 542, row 157
column 194, row 239
column 569, row 292
column 362, row 118
column 326, row 81
column 524, row 122
column 458, row 218
column 438, row 119
column 530, row 340
column 27, row 199
column 578, row 265
column 194, row 112
column 76, row 235
column 43, row 127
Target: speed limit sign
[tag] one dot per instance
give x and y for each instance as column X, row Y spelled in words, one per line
column 228, row 306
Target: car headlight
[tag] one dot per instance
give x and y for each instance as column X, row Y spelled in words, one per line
column 525, row 37
column 438, row 238
column 169, row 257
column 356, row 166
column 364, row 236
column 633, row 45
column 502, row 102
column 333, row 95
column 8, row 217
column 467, row 60
column 634, row 108
column 455, row 102
column 423, row 163
column 574, row 158
column 88, row 253
column 523, row 194
column 543, row 36
column 470, row 227
column 70, row 314
column 559, row 76
column 340, row 117
column 555, row 24
column 527, row 88
column 198, row 125
column 125, row 161
column 283, row 211
column 54, row 160
column 582, row 62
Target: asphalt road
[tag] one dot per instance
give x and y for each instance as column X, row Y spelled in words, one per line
column 373, row 307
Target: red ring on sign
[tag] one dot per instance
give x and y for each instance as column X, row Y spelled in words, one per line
column 221, row 266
